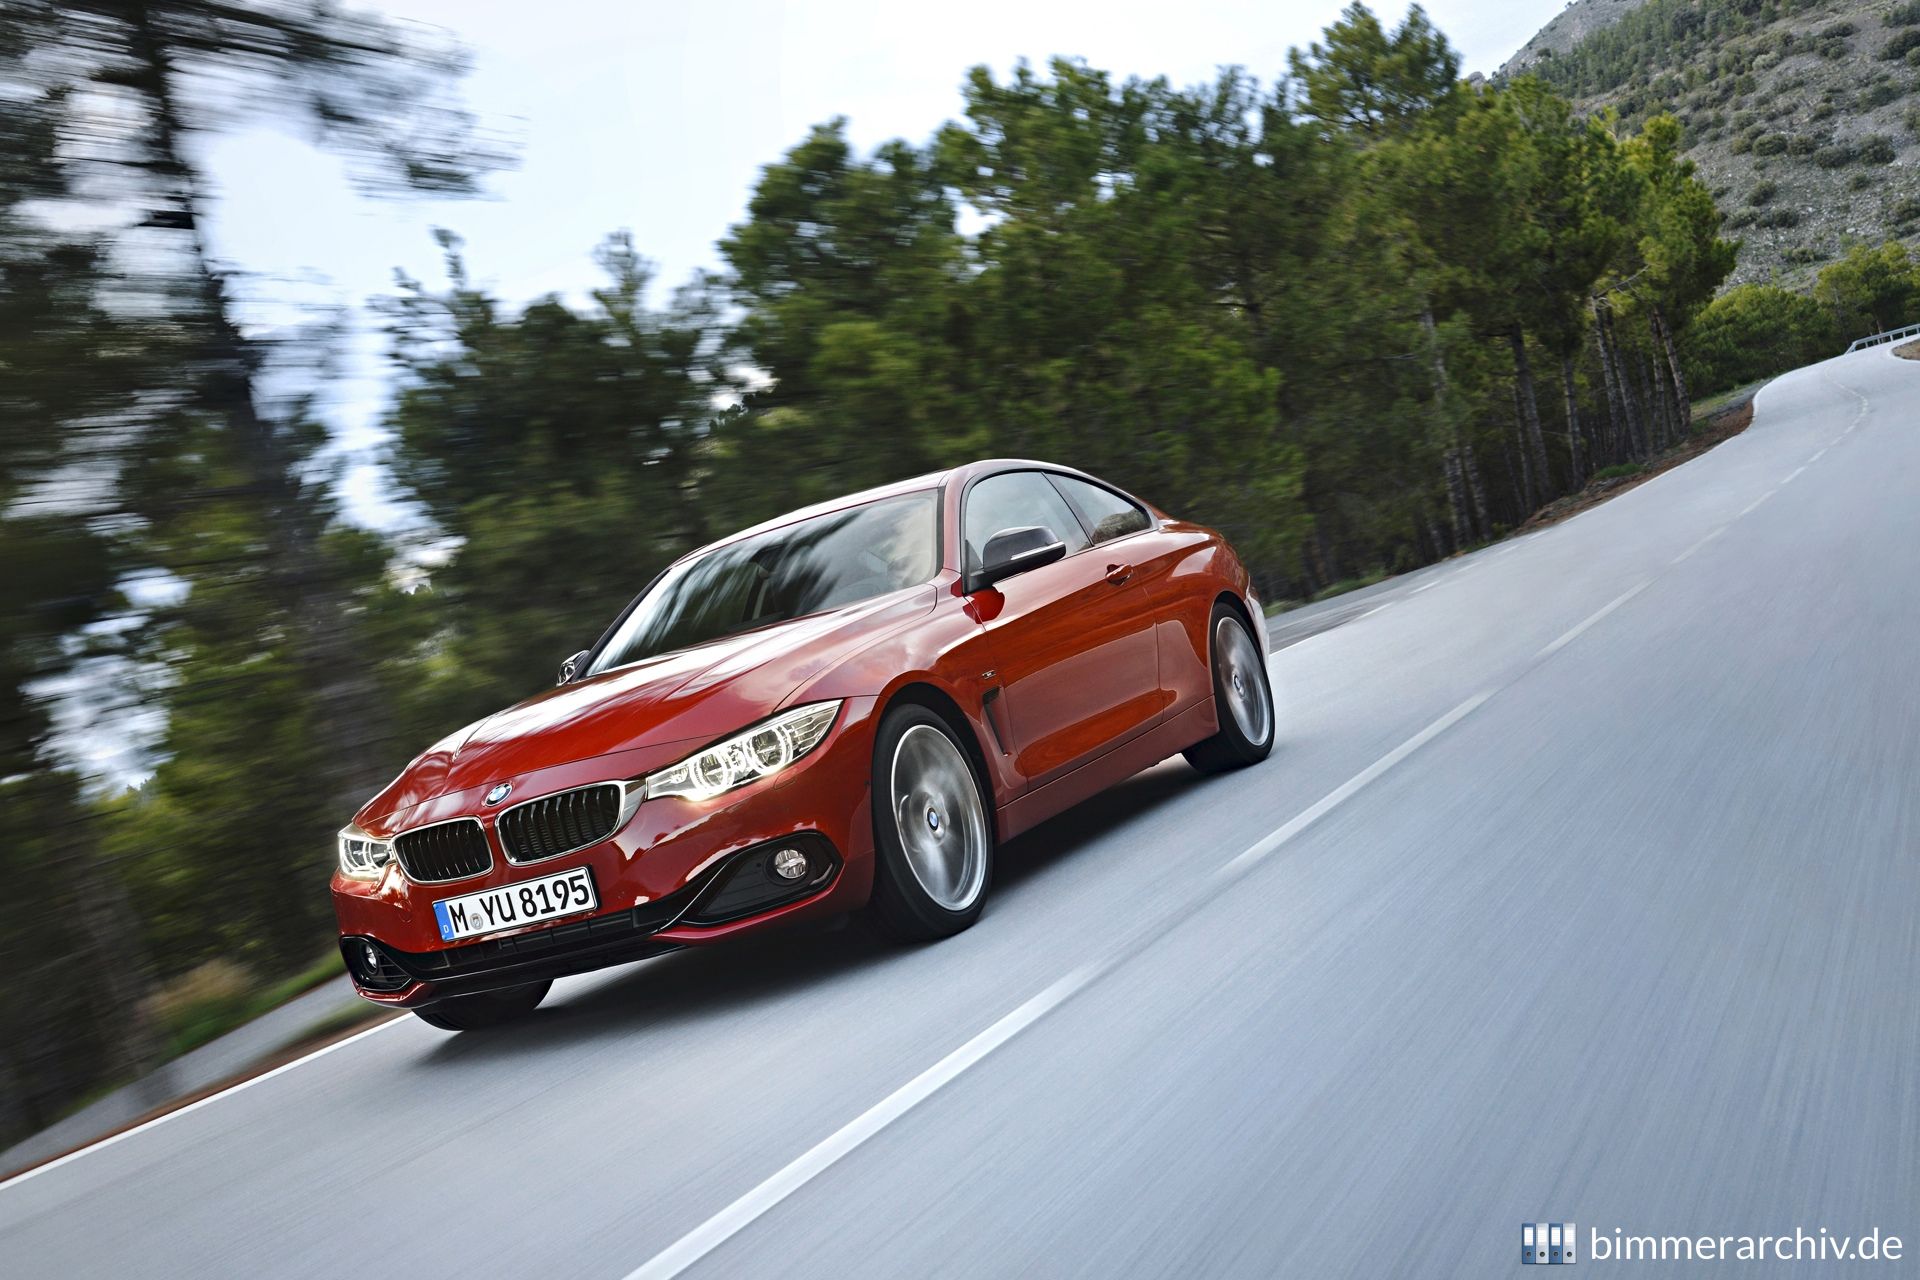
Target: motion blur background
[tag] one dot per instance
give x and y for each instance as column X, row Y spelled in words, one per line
column 336, row 406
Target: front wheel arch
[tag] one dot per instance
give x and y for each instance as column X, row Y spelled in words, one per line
column 941, row 703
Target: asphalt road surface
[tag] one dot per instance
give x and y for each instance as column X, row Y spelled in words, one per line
column 1584, row 885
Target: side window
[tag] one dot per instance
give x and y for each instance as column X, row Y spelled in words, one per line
column 1105, row 512
column 1010, row 501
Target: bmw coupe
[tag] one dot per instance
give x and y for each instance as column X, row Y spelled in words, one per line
column 848, row 707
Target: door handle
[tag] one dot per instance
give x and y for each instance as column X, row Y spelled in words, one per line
column 1118, row 574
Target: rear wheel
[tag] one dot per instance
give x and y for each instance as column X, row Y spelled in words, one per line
column 1242, row 698
column 933, row 836
column 486, row 1009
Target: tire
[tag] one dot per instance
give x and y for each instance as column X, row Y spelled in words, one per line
column 932, row 831
column 1242, row 697
column 487, row 1009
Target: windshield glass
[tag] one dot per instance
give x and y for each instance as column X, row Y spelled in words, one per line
column 822, row 563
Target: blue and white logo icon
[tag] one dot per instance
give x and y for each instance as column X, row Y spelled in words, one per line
column 1546, row 1244
column 501, row 790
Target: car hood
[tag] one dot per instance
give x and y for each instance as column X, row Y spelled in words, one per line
column 683, row 699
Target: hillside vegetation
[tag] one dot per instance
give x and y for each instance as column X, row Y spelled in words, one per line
column 1801, row 115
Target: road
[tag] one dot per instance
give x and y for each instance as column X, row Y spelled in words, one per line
column 1581, row 886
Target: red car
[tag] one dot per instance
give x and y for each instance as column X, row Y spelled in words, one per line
column 849, row 706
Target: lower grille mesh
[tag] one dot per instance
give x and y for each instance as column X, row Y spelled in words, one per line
column 557, row 824
column 444, row 851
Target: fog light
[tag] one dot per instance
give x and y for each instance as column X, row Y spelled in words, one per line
column 789, row 864
column 372, row 958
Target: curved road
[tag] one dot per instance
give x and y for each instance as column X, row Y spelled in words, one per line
column 1584, row 885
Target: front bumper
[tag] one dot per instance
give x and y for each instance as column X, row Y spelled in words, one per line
column 663, row 880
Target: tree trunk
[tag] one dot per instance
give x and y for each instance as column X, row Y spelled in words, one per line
column 1476, row 491
column 1616, row 412
column 1462, row 473
column 1682, row 394
column 1634, row 431
column 1658, row 407
column 1535, row 443
column 1523, row 478
column 1576, row 459
column 341, row 683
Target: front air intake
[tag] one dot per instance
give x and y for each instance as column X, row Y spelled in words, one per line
column 444, row 851
column 560, row 823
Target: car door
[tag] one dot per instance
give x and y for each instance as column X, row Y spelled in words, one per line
column 1127, row 538
column 1072, row 643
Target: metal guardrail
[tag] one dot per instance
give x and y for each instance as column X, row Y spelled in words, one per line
column 1891, row 335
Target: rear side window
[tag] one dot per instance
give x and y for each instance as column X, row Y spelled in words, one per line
column 1105, row 512
column 1014, row 500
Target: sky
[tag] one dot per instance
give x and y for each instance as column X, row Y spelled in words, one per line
column 658, row 118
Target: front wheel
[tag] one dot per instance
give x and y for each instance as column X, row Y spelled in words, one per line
column 932, row 834
column 1242, row 699
column 486, row 1009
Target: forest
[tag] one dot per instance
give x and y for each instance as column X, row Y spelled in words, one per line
column 1359, row 318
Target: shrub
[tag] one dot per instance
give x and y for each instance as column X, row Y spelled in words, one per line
column 1913, row 57
column 1904, row 15
column 1740, row 218
column 1620, row 471
column 1762, row 193
column 1859, row 182
column 1770, row 144
column 1881, row 92
column 1877, row 149
column 1778, row 218
column 1904, row 210
column 1900, row 44
column 1802, row 145
column 1837, row 156
column 1838, row 31
column 1801, row 254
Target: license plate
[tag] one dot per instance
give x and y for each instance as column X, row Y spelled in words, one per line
column 514, row 905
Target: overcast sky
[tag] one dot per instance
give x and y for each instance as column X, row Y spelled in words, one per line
column 658, row 118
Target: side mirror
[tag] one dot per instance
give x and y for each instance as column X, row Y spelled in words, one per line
column 1012, row 551
column 572, row 666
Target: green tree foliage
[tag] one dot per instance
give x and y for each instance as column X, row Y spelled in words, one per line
column 132, row 375
column 69, row 1017
column 563, row 450
column 1754, row 331
column 1871, row 290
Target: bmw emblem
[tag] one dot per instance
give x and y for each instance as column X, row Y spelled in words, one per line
column 501, row 790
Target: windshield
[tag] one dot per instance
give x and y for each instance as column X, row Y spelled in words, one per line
column 822, row 563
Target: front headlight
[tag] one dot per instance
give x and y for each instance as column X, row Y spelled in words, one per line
column 362, row 856
column 752, row 754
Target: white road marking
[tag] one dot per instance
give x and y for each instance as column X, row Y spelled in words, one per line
column 1748, row 509
column 1816, row 457
column 1592, row 618
column 1369, row 613
column 1791, row 474
column 228, row 1092
column 1696, row 546
column 1425, row 586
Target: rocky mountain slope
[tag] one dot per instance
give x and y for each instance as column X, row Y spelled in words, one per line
column 1570, row 26
column 1802, row 115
